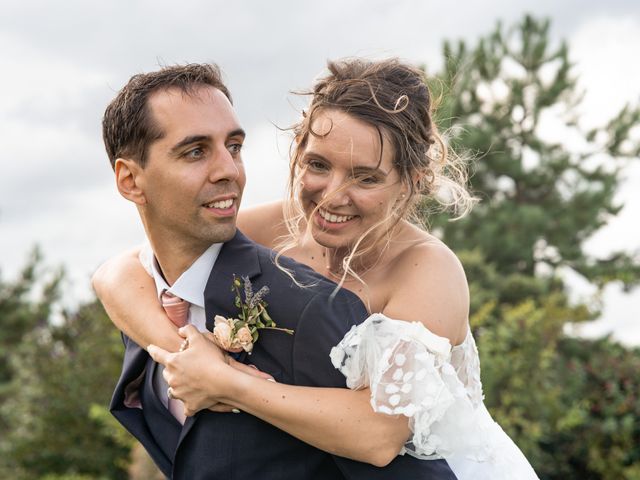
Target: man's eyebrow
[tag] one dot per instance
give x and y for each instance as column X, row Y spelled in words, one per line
column 188, row 141
column 238, row 132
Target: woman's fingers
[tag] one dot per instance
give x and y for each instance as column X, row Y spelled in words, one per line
column 250, row 370
column 190, row 333
column 159, row 355
column 222, row 408
column 199, row 375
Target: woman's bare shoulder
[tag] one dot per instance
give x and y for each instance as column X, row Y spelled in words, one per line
column 430, row 286
column 263, row 223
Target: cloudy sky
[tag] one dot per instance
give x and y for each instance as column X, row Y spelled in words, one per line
column 63, row 61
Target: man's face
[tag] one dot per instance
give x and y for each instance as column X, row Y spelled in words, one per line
column 194, row 176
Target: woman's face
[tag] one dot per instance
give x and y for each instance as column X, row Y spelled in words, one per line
column 350, row 176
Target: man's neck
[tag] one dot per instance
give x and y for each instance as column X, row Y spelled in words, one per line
column 174, row 253
column 174, row 259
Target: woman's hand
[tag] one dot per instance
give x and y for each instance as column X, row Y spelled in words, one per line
column 202, row 374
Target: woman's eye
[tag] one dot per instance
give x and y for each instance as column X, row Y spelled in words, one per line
column 315, row 165
column 367, row 180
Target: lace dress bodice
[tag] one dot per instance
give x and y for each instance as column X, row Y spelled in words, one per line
column 415, row 373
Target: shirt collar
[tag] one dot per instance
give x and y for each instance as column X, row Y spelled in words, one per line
column 190, row 285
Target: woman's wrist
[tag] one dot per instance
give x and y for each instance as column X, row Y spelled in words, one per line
column 237, row 387
column 225, row 383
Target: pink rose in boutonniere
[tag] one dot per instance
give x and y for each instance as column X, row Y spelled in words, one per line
column 245, row 338
column 237, row 334
column 223, row 334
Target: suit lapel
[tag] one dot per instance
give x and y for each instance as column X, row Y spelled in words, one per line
column 238, row 256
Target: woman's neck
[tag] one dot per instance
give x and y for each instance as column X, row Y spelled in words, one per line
column 368, row 256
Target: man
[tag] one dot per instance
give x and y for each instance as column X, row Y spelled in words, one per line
column 174, row 142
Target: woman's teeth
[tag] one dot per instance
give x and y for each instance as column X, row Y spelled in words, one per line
column 334, row 218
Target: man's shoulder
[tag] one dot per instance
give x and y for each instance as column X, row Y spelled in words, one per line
column 299, row 278
column 290, row 283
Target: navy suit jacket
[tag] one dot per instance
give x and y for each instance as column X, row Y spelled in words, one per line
column 229, row 446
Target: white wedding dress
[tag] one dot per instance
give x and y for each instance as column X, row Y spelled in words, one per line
column 415, row 373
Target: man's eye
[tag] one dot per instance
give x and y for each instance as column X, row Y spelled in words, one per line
column 195, row 153
column 235, row 148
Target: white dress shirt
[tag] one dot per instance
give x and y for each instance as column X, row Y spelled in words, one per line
column 190, row 287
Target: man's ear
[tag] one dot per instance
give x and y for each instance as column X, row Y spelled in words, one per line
column 128, row 173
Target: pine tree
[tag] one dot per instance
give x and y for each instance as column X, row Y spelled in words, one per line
column 540, row 200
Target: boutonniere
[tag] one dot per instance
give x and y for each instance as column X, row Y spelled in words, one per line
column 237, row 334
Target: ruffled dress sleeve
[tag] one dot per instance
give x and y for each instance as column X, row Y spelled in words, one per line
column 409, row 372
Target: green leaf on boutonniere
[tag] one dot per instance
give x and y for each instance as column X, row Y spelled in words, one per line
column 237, row 334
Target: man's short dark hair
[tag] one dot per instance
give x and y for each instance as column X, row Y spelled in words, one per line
column 128, row 126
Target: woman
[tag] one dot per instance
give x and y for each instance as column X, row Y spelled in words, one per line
column 366, row 152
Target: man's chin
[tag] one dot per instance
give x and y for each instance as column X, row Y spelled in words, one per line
column 222, row 234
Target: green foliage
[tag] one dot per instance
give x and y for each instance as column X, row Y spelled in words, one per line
column 540, row 200
column 601, row 384
column 21, row 310
column 571, row 405
column 54, row 417
column 70, row 477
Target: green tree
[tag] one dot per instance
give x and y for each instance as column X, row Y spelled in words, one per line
column 25, row 304
column 540, row 200
column 601, row 382
column 59, row 380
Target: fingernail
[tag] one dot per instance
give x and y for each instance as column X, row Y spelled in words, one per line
column 235, row 410
column 253, row 366
column 271, row 380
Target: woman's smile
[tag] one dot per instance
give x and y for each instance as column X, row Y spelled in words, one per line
column 349, row 183
column 329, row 221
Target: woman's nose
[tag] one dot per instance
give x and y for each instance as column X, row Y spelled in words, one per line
column 336, row 193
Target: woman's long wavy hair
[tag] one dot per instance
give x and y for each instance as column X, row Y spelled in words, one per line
column 392, row 97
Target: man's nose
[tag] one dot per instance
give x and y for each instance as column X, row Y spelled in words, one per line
column 224, row 167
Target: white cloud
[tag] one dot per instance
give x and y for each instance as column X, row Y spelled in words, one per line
column 266, row 160
column 605, row 49
column 61, row 69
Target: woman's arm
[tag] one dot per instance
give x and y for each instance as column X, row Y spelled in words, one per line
column 129, row 296
column 336, row 420
column 128, row 293
column 339, row 421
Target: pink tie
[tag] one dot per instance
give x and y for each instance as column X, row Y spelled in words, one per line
column 177, row 310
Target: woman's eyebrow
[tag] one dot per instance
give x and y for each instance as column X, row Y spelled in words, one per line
column 355, row 169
